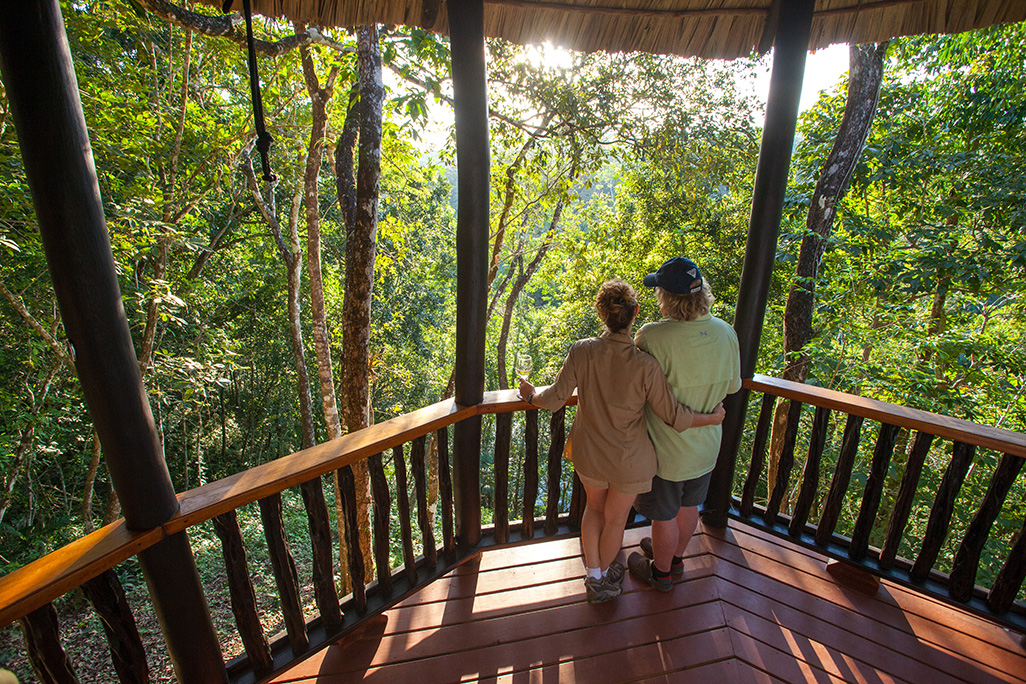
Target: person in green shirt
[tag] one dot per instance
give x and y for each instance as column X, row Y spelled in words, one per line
column 699, row 356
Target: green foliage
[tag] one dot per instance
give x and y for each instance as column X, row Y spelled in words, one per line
column 919, row 300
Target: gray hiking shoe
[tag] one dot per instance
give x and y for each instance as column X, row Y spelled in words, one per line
column 601, row 590
column 641, row 568
column 646, row 548
column 615, row 572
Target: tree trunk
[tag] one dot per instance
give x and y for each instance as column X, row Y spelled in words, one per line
column 361, row 236
column 113, row 510
column 292, row 257
column 519, row 284
column 89, row 487
column 865, row 76
column 27, row 438
column 319, row 98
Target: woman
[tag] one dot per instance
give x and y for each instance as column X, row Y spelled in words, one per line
column 612, row 454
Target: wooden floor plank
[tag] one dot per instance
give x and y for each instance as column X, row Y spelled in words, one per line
column 519, row 595
column 901, row 654
column 748, row 610
column 379, row 649
column 905, row 599
column 623, row 637
column 778, row 663
column 670, row 661
column 944, row 631
column 799, row 646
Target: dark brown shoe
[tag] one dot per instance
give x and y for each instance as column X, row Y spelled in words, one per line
column 641, row 568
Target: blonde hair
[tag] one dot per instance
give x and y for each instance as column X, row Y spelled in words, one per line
column 685, row 307
column 616, row 302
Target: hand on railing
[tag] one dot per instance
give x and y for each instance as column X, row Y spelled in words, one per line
column 526, row 390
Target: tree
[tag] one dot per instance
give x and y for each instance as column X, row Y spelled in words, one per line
column 865, row 75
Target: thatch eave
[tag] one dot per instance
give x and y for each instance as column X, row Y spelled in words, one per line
column 721, row 29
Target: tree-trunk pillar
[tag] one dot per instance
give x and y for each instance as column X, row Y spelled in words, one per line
column 790, row 47
column 466, row 29
column 39, row 75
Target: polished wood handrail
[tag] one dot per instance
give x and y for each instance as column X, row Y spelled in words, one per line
column 1005, row 441
column 70, row 566
column 53, row 575
column 57, row 573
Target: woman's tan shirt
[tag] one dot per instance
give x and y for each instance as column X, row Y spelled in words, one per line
column 614, row 380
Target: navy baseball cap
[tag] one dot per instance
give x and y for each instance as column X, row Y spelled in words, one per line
column 677, row 275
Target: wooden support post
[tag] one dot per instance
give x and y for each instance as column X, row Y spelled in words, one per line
column 473, row 162
column 790, row 48
column 38, row 73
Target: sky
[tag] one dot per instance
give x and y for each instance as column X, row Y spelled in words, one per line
column 823, row 69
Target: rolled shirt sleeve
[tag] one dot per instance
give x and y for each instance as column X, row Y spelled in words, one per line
column 559, row 392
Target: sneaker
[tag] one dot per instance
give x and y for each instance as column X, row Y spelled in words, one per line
column 615, row 572
column 601, row 590
column 641, row 568
column 646, row 548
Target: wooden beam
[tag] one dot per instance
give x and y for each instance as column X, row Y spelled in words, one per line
column 473, row 164
column 39, row 76
column 790, row 47
column 40, row 79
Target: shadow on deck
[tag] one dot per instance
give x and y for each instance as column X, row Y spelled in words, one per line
column 750, row 608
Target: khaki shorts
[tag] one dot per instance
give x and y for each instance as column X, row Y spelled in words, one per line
column 622, row 487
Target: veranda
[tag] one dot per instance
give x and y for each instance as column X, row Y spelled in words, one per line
column 919, row 625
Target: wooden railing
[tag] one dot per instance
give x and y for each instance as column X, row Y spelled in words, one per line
column 544, row 511
column 951, row 443
column 27, row 594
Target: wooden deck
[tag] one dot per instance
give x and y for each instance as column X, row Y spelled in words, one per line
column 750, row 608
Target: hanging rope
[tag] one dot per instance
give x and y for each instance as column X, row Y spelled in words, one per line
column 264, row 139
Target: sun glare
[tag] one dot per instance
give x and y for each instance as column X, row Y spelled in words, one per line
column 548, row 56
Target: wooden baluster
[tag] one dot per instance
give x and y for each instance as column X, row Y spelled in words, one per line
column 906, row 497
column 420, row 481
column 127, row 652
column 810, row 474
column 576, row 504
column 382, row 514
column 758, row 460
column 322, row 554
column 967, row 559
column 786, row 463
column 873, row 491
column 347, row 490
column 43, row 644
column 503, row 437
column 240, row 589
column 284, row 572
column 402, row 489
column 943, row 506
column 557, row 429
column 530, row 473
column 1013, row 572
column 840, row 480
column 445, row 490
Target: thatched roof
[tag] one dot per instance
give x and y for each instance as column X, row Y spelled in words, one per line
column 704, row 28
